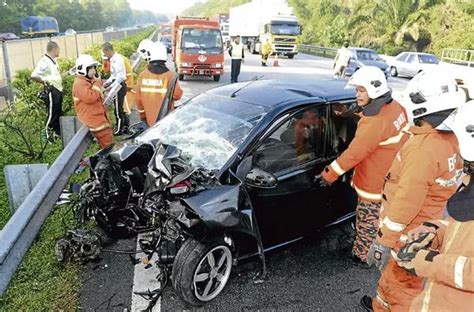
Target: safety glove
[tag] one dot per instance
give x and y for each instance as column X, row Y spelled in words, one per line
column 378, row 255
column 319, row 179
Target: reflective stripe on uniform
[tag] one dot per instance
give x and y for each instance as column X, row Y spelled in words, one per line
column 153, row 90
column 335, row 166
column 100, row 128
column 427, row 298
column 458, row 271
column 141, row 111
column 75, row 99
column 382, row 302
column 396, row 138
column 367, row 195
column 403, row 238
column 96, row 88
column 449, row 182
column 444, row 222
column 393, row 226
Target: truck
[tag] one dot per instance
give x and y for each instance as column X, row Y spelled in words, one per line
column 223, row 20
column 35, row 26
column 261, row 20
column 197, row 47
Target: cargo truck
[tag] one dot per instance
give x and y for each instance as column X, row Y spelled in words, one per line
column 197, row 48
column 36, row 26
column 223, row 20
column 262, row 20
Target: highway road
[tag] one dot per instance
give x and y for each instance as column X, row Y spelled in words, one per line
column 313, row 274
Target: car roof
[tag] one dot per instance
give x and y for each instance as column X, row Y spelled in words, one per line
column 272, row 93
column 362, row 49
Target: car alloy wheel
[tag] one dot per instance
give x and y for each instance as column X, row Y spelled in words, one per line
column 393, row 71
column 212, row 273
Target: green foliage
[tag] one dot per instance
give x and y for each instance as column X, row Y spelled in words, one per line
column 212, row 7
column 390, row 26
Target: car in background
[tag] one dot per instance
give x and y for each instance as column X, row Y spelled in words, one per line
column 109, row 29
column 8, row 36
column 408, row 64
column 228, row 175
column 360, row 57
column 70, row 32
column 166, row 40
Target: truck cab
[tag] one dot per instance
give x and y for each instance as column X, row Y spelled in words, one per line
column 197, row 48
column 282, row 32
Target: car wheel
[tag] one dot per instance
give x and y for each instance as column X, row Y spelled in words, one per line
column 216, row 77
column 201, row 270
column 393, row 71
column 290, row 56
column 181, row 77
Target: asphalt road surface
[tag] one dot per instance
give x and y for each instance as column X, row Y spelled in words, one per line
column 312, row 274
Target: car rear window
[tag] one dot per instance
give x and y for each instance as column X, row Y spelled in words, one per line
column 427, row 59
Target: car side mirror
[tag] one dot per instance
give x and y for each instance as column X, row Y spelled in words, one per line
column 244, row 167
column 136, row 129
column 259, row 178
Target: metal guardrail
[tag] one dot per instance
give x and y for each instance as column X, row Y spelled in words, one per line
column 25, row 224
column 458, row 56
column 312, row 49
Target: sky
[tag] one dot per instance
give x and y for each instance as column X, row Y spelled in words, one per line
column 168, row 7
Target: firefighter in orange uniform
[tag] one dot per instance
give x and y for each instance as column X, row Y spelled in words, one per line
column 442, row 250
column 153, row 82
column 380, row 134
column 87, row 95
column 422, row 178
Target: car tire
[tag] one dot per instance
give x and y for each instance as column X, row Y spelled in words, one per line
column 290, row 56
column 181, row 77
column 191, row 265
column 216, row 77
column 393, row 71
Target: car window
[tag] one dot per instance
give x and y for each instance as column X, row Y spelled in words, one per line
column 402, row 57
column 341, row 127
column 411, row 58
column 299, row 140
column 427, row 59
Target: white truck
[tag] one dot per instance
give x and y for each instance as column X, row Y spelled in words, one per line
column 261, row 20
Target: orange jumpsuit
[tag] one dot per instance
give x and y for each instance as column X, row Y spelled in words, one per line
column 377, row 140
column 450, row 274
column 421, row 180
column 90, row 110
column 150, row 91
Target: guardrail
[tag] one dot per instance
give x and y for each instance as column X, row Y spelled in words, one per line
column 23, row 227
column 458, row 56
column 312, row 49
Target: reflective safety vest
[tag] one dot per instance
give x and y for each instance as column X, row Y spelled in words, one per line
column 237, row 51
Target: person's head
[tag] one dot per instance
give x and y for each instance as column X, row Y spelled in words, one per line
column 309, row 118
column 345, row 44
column 52, row 48
column 86, row 66
column 237, row 39
column 430, row 98
column 108, row 49
column 370, row 84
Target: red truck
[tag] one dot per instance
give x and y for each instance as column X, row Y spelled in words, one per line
column 197, row 47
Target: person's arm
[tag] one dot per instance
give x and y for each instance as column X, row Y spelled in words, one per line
column 138, row 99
column 38, row 72
column 178, row 92
column 230, row 50
column 88, row 95
column 119, row 71
column 243, row 53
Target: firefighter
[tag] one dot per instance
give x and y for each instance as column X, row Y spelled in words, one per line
column 448, row 263
column 87, row 95
column 47, row 73
column 153, row 82
column 118, row 73
column 266, row 51
column 381, row 132
column 419, row 183
column 236, row 52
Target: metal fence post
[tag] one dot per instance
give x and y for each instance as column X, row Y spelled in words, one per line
column 8, row 75
column 77, row 46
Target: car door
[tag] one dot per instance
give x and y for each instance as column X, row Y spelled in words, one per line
column 293, row 152
column 400, row 62
column 411, row 67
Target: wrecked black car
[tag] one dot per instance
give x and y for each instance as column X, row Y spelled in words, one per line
column 228, row 175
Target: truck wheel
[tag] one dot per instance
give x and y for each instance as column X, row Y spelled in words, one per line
column 290, row 56
column 216, row 77
column 181, row 77
column 201, row 270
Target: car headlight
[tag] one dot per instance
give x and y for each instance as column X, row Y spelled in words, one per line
column 185, row 64
column 217, row 65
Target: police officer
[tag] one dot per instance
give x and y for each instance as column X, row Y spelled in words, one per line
column 47, row 73
column 236, row 52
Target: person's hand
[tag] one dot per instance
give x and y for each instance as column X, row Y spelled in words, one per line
column 319, row 179
column 415, row 234
column 378, row 255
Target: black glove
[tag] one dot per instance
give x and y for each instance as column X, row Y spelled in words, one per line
column 378, row 255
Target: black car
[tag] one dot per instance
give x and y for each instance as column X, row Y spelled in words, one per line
column 226, row 176
column 166, row 40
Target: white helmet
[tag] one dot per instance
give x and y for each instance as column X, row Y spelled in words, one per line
column 372, row 79
column 461, row 122
column 430, row 92
column 83, row 62
column 158, row 52
column 143, row 49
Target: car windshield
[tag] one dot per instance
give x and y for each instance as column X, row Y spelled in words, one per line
column 166, row 39
column 427, row 59
column 201, row 39
column 364, row 55
column 285, row 29
column 207, row 129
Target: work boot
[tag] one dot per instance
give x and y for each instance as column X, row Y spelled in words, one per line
column 357, row 261
column 366, row 303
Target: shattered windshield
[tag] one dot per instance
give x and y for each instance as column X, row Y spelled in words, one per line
column 207, row 130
